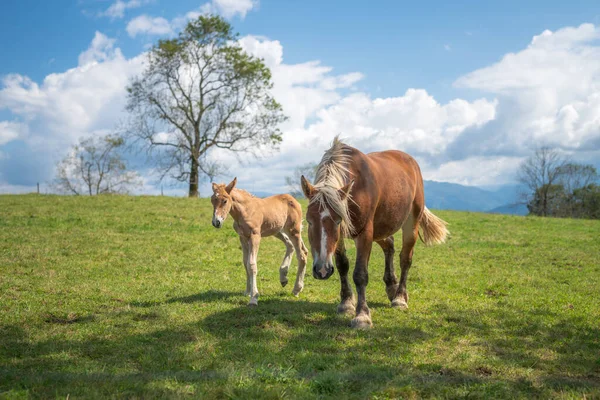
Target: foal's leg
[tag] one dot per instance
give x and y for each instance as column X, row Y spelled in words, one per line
column 301, row 255
column 389, row 277
column 253, row 245
column 287, row 259
column 341, row 262
column 410, row 232
column 244, row 243
column 364, row 243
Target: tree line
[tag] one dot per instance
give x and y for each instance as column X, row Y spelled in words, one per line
column 555, row 186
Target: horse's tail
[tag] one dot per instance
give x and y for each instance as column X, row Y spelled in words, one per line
column 434, row 228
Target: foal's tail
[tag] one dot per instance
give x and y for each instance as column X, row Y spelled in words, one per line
column 434, row 228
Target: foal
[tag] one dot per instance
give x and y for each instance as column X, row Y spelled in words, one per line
column 279, row 216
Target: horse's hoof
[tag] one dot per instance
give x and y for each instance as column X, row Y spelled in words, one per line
column 284, row 283
column 400, row 304
column 362, row 322
column 253, row 304
column 346, row 308
column 297, row 290
column 391, row 291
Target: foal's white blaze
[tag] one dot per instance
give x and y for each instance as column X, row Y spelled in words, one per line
column 217, row 217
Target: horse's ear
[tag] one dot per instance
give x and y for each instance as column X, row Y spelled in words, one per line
column 345, row 191
column 231, row 185
column 307, row 188
column 214, row 187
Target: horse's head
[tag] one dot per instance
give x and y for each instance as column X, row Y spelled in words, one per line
column 324, row 224
column 221, row 201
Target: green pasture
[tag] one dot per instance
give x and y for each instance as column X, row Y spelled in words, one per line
column 140, row 297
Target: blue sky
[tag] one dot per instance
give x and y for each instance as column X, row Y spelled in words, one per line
column 443, row 50
column 396, row 44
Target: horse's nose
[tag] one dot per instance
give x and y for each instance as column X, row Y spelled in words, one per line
column 216, row 223
column 322, row 270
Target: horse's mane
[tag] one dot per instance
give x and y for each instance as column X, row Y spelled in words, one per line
column 332, row 174
column 243, row 193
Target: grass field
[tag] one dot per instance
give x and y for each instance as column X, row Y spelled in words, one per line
column 140, row 297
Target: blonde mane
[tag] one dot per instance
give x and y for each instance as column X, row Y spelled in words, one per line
column 332, row 174
column 242, row 193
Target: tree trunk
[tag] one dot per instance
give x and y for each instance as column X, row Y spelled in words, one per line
column 545, row 203
column 194, row 179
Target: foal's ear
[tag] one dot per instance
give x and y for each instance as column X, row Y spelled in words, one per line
column 345, row 191
column 214, row 187
column 307, row 188
column 231, row 185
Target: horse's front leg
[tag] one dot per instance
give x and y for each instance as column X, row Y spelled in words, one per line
column 244, row 243
column 389, row 277
column 364, row 243
column 346, row 305
column 253, row 245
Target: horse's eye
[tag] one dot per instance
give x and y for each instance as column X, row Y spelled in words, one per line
column 225, row 201
column 338, row 222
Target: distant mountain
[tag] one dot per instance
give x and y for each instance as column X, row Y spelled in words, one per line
column 512, row 209
column 452, row 196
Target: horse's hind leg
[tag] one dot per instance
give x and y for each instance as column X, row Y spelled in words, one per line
column 410, row 232
column 287, row 259
column 389, row 277
column 301, row 255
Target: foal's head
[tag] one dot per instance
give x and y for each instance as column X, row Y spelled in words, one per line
column 324, row 223
column 221, row 201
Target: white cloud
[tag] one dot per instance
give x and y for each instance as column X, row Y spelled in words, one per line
column 117, row 9
column 79, row 101
column 101, row 49
column 232, row 8
column 549, row 92
column 159, row 26
column 414, row 122
column 10, row 131
column 149, row 26
column 475, row 170
column 91, row 97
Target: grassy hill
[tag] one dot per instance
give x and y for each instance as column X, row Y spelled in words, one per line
column 142, row 297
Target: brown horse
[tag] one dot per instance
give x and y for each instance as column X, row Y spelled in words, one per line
column 254, row 218
column 367, row 197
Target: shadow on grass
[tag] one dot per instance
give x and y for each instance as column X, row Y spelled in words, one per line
column 539, row 339
column 204, row 297
column 306, row 349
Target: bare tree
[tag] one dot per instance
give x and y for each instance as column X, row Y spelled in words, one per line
column 200, row 92
column 309, row 170
column 95, row 166
column 538, row 174
column 574, row 178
